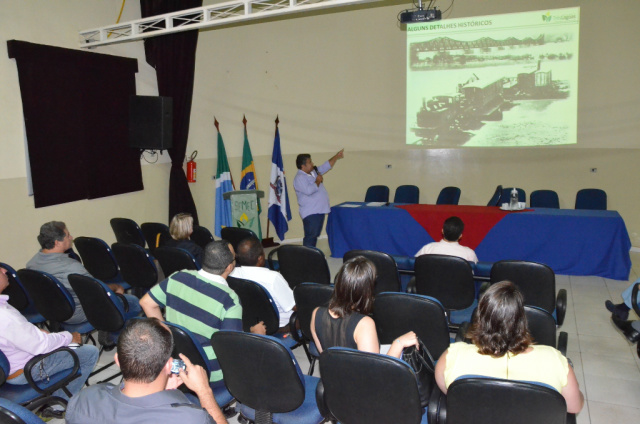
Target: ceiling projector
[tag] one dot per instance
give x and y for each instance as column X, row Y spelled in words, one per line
column 420, row 15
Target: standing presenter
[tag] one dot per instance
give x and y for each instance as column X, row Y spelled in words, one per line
column 313, row 199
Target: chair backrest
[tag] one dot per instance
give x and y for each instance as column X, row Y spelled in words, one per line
column 544, row 199
column 407, row 194
column 257, row 304
column 18, row 297
column 136, row 265
column 51, row 299
column 591, row 198
column 201, row 236
column 259, row 371
column 309, row 296
column 497, row 196
column 102, row 309
column 542, row 326
column 5, row 368
column 155, row 233
column 536, row 281
column 362, row 387
column 398, row 313
column 495, row 401
column 302, row 264
column 446, row 278
column 235, row 235
column 388, row 279
column 97, row 257
column 186, row 343
column 127, row 231
column 173, row 259
column 377, row 193
column 506, row 195
column 13, row 413
column 448, row 196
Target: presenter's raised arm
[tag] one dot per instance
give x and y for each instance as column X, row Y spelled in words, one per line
column 335, row 158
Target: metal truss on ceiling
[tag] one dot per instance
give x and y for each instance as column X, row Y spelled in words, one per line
column 202, row 17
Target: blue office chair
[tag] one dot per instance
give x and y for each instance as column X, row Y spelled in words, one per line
column 484, row 400
column 201, row 236
column 264, row 376
column 137, row 267
column 361, row 387
column 448, row 196
column 544, row 199
column 258, row 305
column 155, row 234
column 19, row 298
column 450, row 280
column 11, row 412
column 36, row 394
column 54, row 302
column 186, row 343
column 407, row 194
column 127, row 231
column 174, row 259
column 506, row 195
column 99, row 260
column 377, row 193
column 591, row 198
column 496, row 198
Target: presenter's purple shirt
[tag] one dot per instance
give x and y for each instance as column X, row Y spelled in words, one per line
column 312, row 199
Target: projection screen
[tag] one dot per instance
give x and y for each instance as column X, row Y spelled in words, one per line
column 494, row 81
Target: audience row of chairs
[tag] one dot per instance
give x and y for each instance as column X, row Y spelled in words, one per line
column 587, row 198
column 410, row 194
column 359, row 387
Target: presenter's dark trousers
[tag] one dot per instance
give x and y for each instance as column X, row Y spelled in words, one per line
column 312, row 228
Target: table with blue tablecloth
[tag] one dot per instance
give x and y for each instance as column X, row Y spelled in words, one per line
column 572, row 242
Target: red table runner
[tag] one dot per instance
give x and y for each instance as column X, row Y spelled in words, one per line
column 478, row 220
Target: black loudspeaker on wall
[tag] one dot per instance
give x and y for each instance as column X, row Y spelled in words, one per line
column 150, row 122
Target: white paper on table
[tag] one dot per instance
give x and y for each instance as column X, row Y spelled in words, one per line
column 376, row 203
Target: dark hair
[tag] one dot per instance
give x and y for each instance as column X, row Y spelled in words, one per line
column 50, row 233
column 302, row 159
column 216, row 257
column 452, row 228
column 354, row 287
column 500, row 324
column 144, row 347
column 249, row 251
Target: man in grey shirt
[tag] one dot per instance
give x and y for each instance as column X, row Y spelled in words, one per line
column 55, row 240
column 148, row 393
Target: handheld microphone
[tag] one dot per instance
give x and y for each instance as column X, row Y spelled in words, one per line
column 315, row 168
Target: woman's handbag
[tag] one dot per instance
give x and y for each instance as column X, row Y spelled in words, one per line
column 423, row 365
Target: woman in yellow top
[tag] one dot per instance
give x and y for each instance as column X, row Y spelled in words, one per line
column 503, row 348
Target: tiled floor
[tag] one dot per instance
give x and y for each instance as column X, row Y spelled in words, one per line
column 606, row 365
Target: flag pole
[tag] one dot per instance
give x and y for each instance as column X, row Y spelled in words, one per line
column 268, row 241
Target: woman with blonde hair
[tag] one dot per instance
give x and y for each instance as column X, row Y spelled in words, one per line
column 180, row 229
column 503, row 348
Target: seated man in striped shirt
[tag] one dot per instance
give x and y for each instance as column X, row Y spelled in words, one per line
column 201, row 301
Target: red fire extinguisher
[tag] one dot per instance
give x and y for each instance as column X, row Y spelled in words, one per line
column 191, row 167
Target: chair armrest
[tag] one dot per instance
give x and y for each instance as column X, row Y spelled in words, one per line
column 561, row 306
column 125, row 304
column 60, row 384
column 460, row 335
column 293, row 329
column 634, row 298
column 563, row 339
column 270, row 259
column 322, row 406
column 437, row 407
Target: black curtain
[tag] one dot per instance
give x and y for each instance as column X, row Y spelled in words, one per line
column 174, row 57
column 76, row 113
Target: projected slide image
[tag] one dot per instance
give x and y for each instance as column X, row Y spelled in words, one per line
column 505, row 80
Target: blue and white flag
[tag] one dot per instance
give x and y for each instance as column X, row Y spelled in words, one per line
column 279, row 209
column 224, row 183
